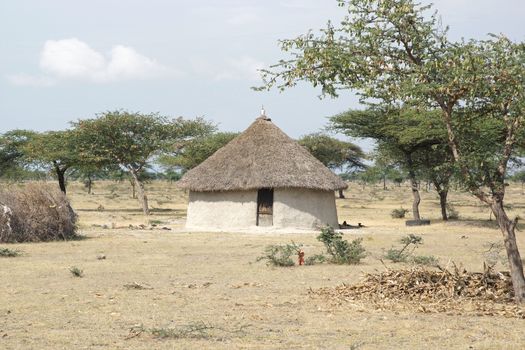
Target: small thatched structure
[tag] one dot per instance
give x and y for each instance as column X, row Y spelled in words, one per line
column 261, row 178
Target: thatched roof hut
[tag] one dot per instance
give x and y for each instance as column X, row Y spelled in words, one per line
column 262, row 177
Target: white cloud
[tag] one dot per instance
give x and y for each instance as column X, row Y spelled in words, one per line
column 73, row 59
column 243, row 68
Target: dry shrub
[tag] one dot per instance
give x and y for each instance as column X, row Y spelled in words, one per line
column 35, row 213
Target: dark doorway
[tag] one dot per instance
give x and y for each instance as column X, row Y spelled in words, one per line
column 265, row 207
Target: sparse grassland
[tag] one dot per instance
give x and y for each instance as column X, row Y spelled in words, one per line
column 170, row 289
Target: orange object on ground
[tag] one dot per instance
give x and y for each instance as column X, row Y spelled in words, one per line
column 301, row 257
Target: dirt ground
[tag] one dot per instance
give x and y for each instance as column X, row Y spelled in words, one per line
column 170, row 289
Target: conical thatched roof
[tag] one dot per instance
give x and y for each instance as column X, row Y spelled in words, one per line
column 261, row 157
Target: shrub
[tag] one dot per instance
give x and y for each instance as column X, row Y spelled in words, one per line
column 34, row 213
column 75, row 271
column 396, row 255
column 398, row 213
column 280, row 255
column 8, row 253
column 402, row 255
column 315, row 259
column 427, row 260
column 340, row 251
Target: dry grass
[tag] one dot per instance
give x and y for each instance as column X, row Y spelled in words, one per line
column 36, row 212
column 212, row 279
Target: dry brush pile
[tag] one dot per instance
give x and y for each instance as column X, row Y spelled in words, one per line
column 35, row 213
column 454, row 292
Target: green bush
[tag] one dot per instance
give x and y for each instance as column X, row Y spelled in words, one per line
column 315, row 259
column 340, row 250
column 75, row 271
column 8, row 253
column 398, row 213
column 396, row 255
column 427, row 260
column 280, row 255
column 402, row 255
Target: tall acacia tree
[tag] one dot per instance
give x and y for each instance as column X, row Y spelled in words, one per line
column 132, row 140
column 334, row 153
column 196, row 151
column 412, row 139
column 54, row 150
column 394, row 52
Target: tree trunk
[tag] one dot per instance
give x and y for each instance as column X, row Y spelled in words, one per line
column 89, row 184
column 133, row 189
column 384, row 182
column 143, row 199
column 443, row 203
column 415, row 188
column 508, row 227
column 417, row 199
column 341, row 194
column 61, row 178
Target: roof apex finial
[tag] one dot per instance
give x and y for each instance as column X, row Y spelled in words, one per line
column 263, row 115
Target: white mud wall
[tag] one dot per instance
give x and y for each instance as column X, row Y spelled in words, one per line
column 301, row 208
column 222, row 210
column 237, row 210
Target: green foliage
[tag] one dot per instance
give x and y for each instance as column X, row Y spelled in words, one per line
column 12, row 156
column 315, row 259
column 396, row 255
column 427, row 260
column 398, row 213
column 333, row 153
column 193, row 330
column 75, row 271
column 53, row 148
column 340, row 250
column 197, row 330
column 8, row 253
column 519, row 176
column 396, row 54
column 402, row 255
column 280, row 255
column 132, row 139
column 197, row 150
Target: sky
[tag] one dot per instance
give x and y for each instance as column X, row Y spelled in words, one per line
column 64, row 60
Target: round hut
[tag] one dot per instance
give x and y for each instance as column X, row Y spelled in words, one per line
column 261, row 178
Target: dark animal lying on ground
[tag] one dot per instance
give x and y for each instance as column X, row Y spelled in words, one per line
column 344, row 225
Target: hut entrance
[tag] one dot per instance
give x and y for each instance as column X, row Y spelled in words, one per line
column 265, row 207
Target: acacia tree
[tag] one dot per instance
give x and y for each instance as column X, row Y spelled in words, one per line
column 196, row 151
column 132, row 140
column 334, row 153
column 55, row 150
column 394, row 52
column 410, row 139
column 11, row 150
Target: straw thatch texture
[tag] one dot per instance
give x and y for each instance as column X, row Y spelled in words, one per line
column 261, row 157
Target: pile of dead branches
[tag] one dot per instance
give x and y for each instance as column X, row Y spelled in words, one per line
column 456, row 291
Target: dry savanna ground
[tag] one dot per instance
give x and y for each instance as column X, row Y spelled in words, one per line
column 171, row 289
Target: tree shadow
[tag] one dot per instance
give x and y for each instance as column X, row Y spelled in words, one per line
column 484, row 223
column 130, row 210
